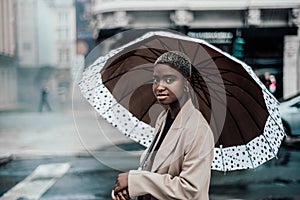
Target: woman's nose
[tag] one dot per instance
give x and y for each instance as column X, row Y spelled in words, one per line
column 160, row 86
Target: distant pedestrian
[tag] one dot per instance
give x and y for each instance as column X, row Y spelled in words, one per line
column 272, row 86
column 44, row 99
column 266, row 80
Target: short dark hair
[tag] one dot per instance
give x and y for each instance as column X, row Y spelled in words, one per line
column 177, row 60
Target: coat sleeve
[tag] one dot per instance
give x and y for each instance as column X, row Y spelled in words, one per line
column 192, row 180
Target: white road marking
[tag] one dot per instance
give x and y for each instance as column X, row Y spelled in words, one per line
column 38, row 182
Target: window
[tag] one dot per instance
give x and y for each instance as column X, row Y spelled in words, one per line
column 64, row 55
column 63, row 18
column 63, row 33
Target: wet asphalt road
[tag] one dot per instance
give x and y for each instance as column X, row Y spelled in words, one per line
column 90, row 179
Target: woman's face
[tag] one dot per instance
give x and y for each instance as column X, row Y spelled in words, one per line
column 168, row 84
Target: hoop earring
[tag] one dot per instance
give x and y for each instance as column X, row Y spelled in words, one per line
column 187, row 89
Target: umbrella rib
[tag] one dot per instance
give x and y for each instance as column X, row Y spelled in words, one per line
column 196, row 80
column 219, row 99
column 231, row 83
column 104, row 82
column 271, row 149
column 244, row 141
column 242, row 137
column 277, row 123
column 121, row 63
column 118, row 102
column 237, row 124
column 164, row 45
column 209, row 60
column 209, row 105
column 222, row 156
column 247, row 149
column 228, row 110
column 148, row 109
column 147, row 58
column 271, row 114
column 136, row 125
column 200, row 87
column 122, row 73
column 180, row 46
column 234, row 72
column 249, row 155
column 245, row 108
column 213, row 60
column 196, row 53
column 267, row 139
column 153, row 50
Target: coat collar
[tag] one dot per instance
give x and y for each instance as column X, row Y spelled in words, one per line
column 173, row 134
column 181, row 117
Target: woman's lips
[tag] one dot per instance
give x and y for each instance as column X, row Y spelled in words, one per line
column 161, row 97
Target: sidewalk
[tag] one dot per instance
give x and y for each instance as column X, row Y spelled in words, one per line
column 55, row 133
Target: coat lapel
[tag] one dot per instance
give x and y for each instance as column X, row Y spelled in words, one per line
column 173, row 135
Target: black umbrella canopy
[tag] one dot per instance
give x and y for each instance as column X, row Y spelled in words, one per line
column 228, row 97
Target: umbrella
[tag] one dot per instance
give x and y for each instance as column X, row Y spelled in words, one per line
column 243, row 115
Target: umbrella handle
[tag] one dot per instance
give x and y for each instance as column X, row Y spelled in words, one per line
column 113, row 197
column 142, row 164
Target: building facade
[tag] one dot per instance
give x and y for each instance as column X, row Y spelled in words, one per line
column 7, row 27
column 8, row 59
column 46, row 40
column 268, row 29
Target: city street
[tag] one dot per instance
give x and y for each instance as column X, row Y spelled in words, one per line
column 88, row 153
column 77, row 76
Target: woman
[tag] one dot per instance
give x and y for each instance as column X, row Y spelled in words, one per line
column 179, row 164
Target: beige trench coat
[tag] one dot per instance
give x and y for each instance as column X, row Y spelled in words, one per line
column 182, row 166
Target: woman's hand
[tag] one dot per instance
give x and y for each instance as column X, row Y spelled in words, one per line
column 123, row 195
column 121, row 183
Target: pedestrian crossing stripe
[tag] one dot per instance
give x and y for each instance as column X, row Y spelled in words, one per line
column 37, row 183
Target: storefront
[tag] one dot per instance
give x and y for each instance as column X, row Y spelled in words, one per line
column 260, row 48
column 263, row 35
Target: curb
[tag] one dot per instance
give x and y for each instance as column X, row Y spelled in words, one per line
column 91, row 153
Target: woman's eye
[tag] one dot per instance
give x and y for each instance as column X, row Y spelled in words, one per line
column 169, row 80
column 155, row 80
